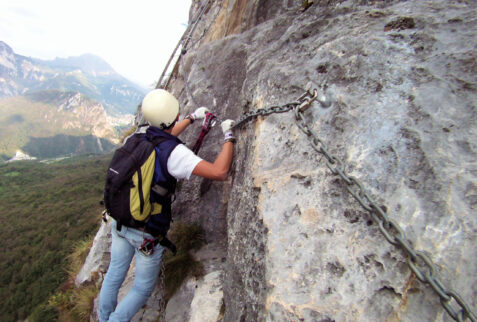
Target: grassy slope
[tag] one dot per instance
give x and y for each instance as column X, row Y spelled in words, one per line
column 45, row 209
column 21, row 118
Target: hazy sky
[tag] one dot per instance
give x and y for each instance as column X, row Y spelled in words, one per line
column 135, row 37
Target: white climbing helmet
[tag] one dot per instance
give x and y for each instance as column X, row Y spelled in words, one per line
column 160, row 108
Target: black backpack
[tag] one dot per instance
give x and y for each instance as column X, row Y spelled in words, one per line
column 128, row 182
column 128, row 191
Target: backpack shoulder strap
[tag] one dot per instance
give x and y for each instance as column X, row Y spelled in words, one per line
column 157, row 140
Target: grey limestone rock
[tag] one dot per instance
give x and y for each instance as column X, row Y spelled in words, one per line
column 401, row 76
column 294, row 245
column 97, row 261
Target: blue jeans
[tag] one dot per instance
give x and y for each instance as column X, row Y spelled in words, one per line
column 125, row 244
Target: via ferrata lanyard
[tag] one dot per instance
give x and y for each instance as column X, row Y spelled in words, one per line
column 209, row 122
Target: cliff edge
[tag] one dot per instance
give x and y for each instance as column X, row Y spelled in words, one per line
column 287, row 241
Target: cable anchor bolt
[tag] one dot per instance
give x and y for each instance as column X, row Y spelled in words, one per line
column 324, row 101
column 307, row 103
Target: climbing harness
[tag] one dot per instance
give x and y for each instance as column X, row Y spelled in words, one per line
column 419, row 263
column 209, row 122
column 147, row 246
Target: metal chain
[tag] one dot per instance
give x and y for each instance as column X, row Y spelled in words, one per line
column 206, row 30
column 420, row 264
column 303, row 102
column 203, row 6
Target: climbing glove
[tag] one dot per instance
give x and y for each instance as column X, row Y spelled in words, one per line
column 200, row 113
column 227, row 129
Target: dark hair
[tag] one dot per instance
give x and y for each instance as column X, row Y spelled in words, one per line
column 164, row 127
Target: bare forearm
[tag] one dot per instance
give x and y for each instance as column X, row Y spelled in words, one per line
column 180, row 127
column 219, row 169
column 224, row 160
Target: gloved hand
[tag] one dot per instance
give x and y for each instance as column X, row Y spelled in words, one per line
column 200, row 113
column 227, row 129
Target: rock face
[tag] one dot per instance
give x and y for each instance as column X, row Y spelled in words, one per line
column 401, row 76
column 97, row 261
column 290, row 242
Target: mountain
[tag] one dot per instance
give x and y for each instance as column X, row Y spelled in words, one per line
column 87, row 74
column 52, row 108
column 88, row 63
column 53, row 123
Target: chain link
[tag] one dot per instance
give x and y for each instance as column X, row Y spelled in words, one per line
column 266, row 111
column 420, row 264
column 302, row 103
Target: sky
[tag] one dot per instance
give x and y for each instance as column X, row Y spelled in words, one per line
column 135, row 37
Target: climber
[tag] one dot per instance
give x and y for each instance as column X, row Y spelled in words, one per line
column 173, row 161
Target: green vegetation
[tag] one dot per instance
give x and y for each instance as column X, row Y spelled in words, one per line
column 45, row 211
column 76, row 304
column 49, row 214
column 61, row 145
column 12, row 174
column 305, row 4
column 187, row 237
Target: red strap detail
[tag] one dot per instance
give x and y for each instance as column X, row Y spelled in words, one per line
column 147, row 246
column 206, row 126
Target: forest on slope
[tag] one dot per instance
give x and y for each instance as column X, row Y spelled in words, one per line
column 45, row 210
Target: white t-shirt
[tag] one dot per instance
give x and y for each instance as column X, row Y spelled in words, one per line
column 182, row 162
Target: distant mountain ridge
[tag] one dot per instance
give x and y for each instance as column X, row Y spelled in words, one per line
column 88, row 63
column 87, row 74
column 53, row 123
